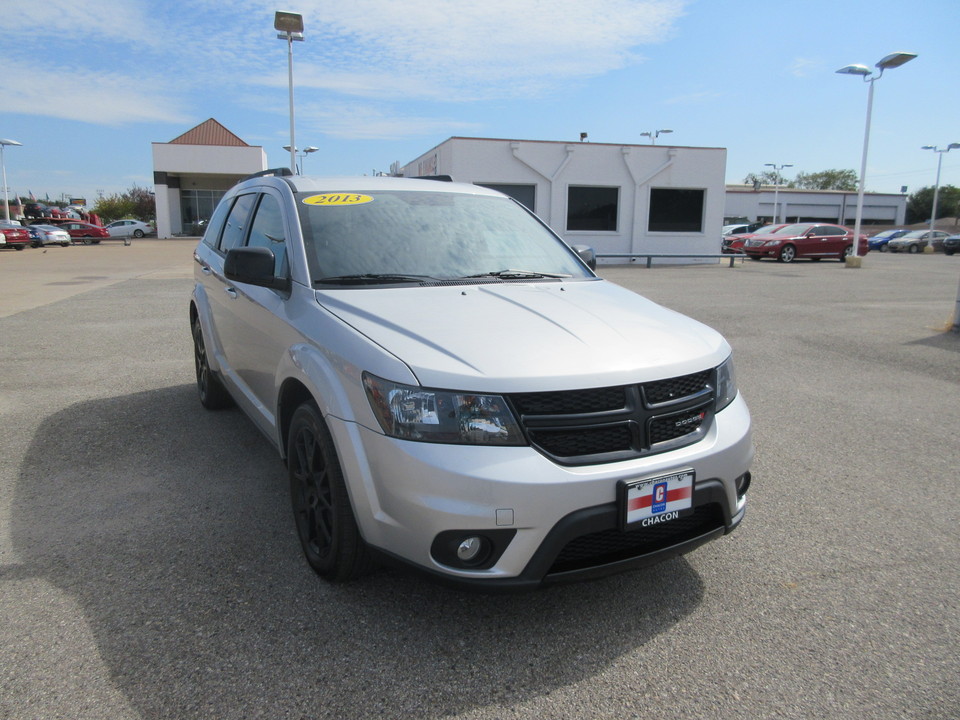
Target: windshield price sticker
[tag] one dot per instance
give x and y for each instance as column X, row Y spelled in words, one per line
column 337, row 199
column 646, row 503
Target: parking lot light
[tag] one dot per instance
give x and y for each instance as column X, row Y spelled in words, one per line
column 654, row 134
column 936, row 188
column 289, row 27
column 891, row 61
column 776, row 185
column 3, row 163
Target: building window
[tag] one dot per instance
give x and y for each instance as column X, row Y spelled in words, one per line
column 592, row 208
column 196, row 208
column 676, row 210
column 526, row 195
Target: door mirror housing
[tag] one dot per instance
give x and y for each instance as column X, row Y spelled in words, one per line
column 586, row 253
column 254, row 266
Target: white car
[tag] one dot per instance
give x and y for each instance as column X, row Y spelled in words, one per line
column 129, row 228
column 49, row 235
column 453, row 388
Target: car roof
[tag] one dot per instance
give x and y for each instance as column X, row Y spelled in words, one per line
column 321, row 184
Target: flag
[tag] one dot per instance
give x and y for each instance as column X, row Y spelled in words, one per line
column 32, row 198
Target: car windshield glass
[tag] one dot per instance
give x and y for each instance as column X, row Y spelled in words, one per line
column 797, row 229
column 766, row 229
column 389, row 236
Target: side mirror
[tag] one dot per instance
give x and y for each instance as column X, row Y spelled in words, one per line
column 253, row 266
column 586, row 253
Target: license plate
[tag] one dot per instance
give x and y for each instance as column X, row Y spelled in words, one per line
column 645, row 503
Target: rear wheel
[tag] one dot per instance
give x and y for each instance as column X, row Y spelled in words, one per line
column 213, row 395
column 138, row 233
column 325, row 522
column 787, row 254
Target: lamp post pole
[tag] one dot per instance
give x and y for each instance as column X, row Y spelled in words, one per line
column 654, row 134
column 290, row 27
column 3, row 164
column 936, row 188
column 890, row 61
column 776, row 185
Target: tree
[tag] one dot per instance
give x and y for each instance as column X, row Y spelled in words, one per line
column 920, row 204
column 826, row 180
column 137, row 202
column 767, row 177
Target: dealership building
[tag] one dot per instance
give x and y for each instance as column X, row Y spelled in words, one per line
column 623, row 200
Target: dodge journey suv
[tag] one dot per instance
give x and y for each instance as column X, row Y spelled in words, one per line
column 453, row 388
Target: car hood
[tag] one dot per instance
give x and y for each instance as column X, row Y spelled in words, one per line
column 510, row 337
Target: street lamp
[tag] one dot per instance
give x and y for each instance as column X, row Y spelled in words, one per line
column 936, row 188
column 3, row 163
column 891, row 61
column 303, row 154
column 776, row 184
column 654, row 135
column 290, row 27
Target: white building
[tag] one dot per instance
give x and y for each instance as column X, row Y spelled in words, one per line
column 193, row 171
column 828, row 206
column 616, row 198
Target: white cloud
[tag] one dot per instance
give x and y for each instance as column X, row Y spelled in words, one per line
column 805, row 67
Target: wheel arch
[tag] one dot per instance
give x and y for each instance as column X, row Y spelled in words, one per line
column 293, row 394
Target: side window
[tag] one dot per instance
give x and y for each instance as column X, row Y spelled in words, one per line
column 267, row 231
column 211, row 235
column 236, row 225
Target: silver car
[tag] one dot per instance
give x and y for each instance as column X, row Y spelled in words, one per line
column 453, row 388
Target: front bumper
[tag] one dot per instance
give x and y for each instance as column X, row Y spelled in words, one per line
column 560, row 523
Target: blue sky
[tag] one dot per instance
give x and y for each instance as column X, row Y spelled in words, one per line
column 87, row 87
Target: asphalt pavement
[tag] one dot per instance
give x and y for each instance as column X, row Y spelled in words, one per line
column 149, row 567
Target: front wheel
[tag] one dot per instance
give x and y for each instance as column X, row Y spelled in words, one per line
column 787, row 254
column 884, row 248
column 325, row 522
column 914, row 249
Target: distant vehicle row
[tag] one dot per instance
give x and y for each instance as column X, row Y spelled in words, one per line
column 813, row 241
column 64, row 233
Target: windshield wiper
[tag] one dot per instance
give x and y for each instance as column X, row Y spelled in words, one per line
column 518, row 275
column 371, row 279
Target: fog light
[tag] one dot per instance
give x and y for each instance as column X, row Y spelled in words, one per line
column 469, row 549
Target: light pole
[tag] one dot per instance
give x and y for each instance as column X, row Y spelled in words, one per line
column 303, row 155
column 936, row 188
column 776, row 184
column 290, row 27
column 3, row 163
column 654, row 134
column 891, row 61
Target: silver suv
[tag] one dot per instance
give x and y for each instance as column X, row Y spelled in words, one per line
column 453, row 387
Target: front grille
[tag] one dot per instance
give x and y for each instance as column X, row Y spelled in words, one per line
column 615, row 545
column 618, row 423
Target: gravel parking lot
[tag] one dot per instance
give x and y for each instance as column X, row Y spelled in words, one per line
column 149, row 567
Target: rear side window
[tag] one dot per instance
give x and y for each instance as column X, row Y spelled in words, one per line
column 236, row 226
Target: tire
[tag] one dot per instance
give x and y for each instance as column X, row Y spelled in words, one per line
column 87, row 241
column 913, row 249
column 884, row 248
column 324, row 520
column 64, row 244
column 138, row 233
column 787, row 254
column 949, row 252
column 20, row 246
column 213, row 394
column 846, row 252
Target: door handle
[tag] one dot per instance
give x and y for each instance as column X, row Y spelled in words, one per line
column 231, row 292
column 205, row 269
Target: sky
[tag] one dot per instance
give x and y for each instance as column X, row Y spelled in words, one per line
column 87, row 87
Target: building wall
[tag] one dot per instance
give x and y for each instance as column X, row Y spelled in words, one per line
column 553, row 167
column 826, row 205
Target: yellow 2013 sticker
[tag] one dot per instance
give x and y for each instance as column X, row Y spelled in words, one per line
column 330, row 199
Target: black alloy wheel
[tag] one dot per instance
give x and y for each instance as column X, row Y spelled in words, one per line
column 325, row 522
column 213, row 394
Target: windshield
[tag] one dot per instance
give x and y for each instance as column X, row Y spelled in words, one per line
column 766, row 229
column 796, row 229
column 416, row 236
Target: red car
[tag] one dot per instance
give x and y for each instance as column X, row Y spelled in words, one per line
column 90, row 234
column 15, row 234
column 733, row 243
column 805, row 240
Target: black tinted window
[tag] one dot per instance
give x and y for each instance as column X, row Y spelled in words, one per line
column 267, row 231
column 236, row 225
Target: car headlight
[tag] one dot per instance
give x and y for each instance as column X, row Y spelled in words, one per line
column 411, row 412
column 726, row 384
column 772, row 242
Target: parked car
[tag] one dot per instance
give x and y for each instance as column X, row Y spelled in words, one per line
column 736, row 228
column 42, row 235
column 814, row 241
column 129, row 228
column 15, row 234
column 733, row 244
column 917, row 240
column 951, row 244
column 33, row 210
column 88, row 233
column 880, row 240
column 454, row 388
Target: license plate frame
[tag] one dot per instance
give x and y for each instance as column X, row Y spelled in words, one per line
column 652, row 501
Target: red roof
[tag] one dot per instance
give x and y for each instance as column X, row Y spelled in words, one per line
column 209, row 132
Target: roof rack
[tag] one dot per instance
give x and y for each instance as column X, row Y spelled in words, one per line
column 276, row 172
column 441, row 178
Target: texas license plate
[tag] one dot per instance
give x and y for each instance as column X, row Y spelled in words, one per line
column 645, row 503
